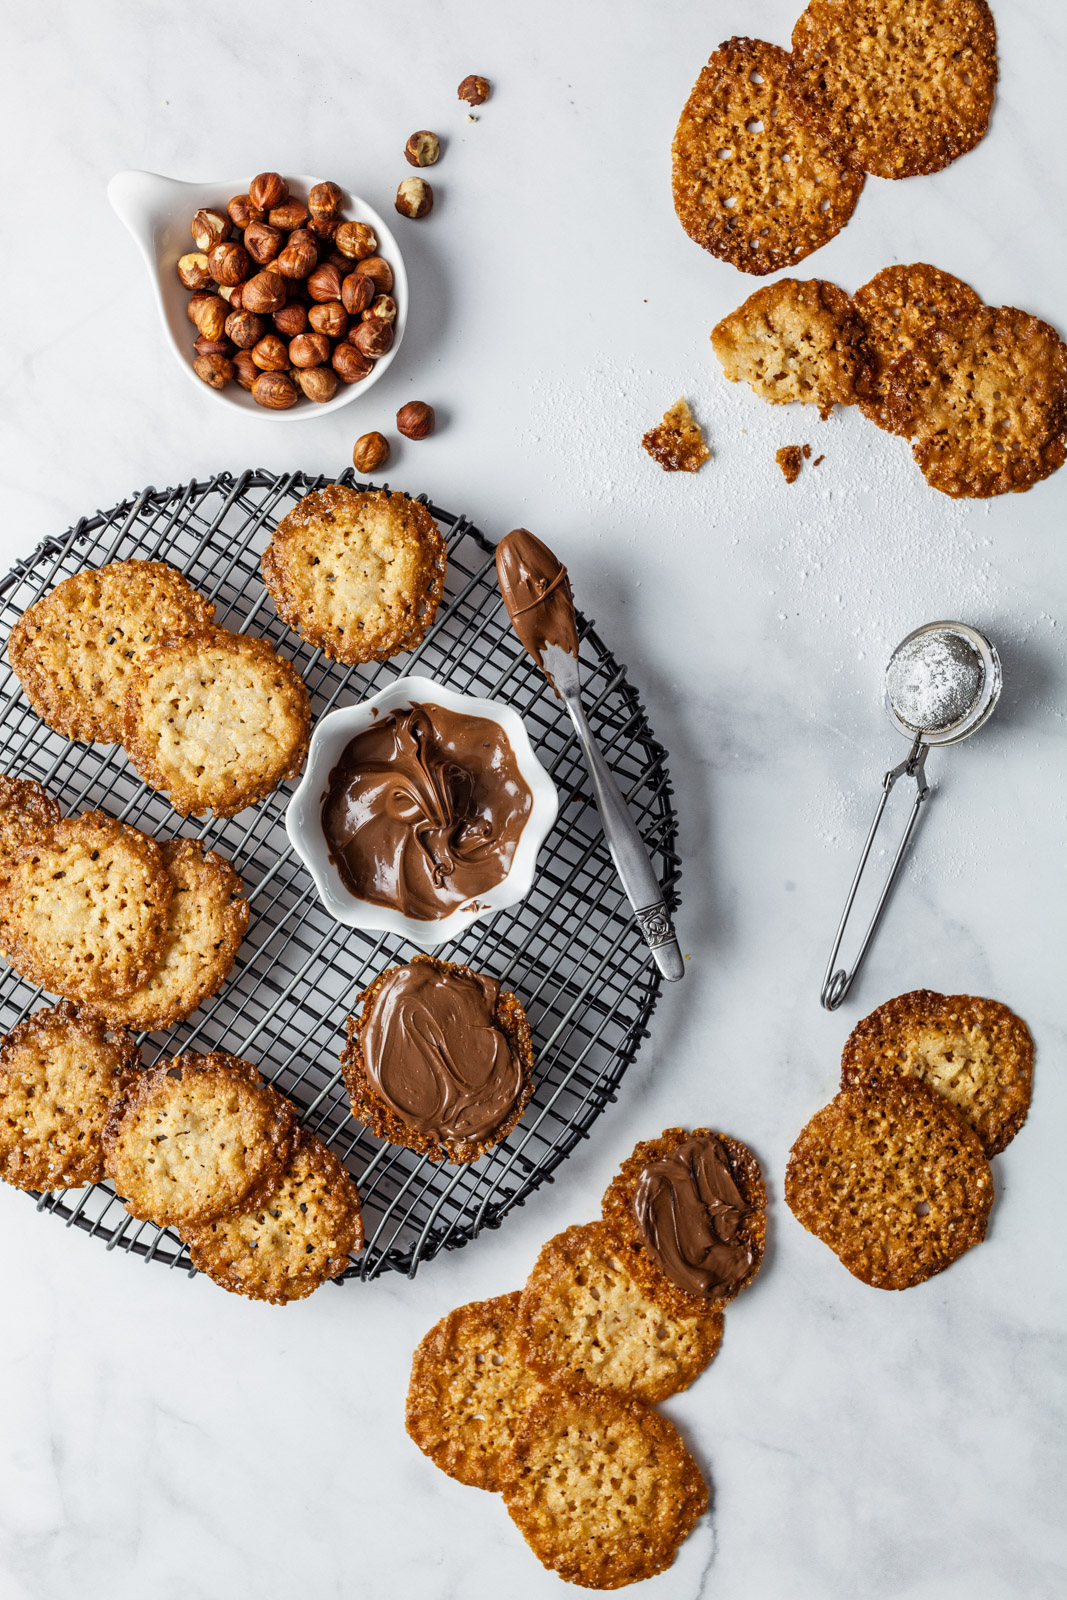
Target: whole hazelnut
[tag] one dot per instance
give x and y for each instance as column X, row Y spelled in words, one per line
column 370, row 452
column 474, row 90
column 324, row 228
column 212, row 347
column 324, row 283
column 384, row 306
column 414, row 198
column 416, row 420
column 374, row 336
column 270, row 353
column 265, row 292
column 356, row 240
column 338, row 259
column 193, row 270
column 231, row 293
column 357, row 292
column 267, row 190
column 263, row 242
column 318, row 383
column 244, row 369
column 275, row 390
column 209, row 313
column 297, row 260
column 309, row 350
column 329, row 318
column 422, row 150
column 325, row 199
column 350, row 364
column 216, row 371
column 244, row 328
column 378, row 271
column 192, row 309
column 242, row 211
column 209, row 228
column 229, row 263
column 305, row 236
column 289, row 215
column 290, row 320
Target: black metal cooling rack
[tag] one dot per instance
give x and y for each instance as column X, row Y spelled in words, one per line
column 571, row 951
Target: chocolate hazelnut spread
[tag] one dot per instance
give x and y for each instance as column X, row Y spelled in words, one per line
column 537, row 594
column 433, row 1052
column 423, row 812
column 689, row 1212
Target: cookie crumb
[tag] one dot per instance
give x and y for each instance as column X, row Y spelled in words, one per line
column 677, row 444
column 815, row 463
column 807, row 451
column 789, row 458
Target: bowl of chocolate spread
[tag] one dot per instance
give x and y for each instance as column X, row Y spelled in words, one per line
column 421, row 810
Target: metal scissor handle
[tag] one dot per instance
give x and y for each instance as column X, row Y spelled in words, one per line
column 836, row 984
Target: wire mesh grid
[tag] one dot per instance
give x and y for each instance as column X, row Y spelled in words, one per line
column 570, row 951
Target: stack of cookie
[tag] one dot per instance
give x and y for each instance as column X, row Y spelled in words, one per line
column 894, row 1173
column 128, row 653
column 545, row 1395
column 981, row 390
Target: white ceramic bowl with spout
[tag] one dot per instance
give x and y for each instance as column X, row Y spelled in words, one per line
column 158, row 211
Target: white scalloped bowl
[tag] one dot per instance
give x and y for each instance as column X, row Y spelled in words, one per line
column 158, row 211
column 303, row 818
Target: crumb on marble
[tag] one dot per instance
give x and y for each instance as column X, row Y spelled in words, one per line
column 790, row 458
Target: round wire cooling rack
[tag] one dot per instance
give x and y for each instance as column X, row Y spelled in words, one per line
column 571, row 950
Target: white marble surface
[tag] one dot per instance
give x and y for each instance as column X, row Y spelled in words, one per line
column 162, row 1438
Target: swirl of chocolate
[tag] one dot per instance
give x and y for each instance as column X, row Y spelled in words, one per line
column 537, row 594
column 424, row 810
column 689, row 1213
column 433, row 1052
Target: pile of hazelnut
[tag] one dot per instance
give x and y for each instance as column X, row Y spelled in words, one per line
column 288, row 298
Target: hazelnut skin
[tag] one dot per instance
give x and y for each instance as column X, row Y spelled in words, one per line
column 338, row 259
column 209, row 228
column 384, row 306
column 370, row 452
column 309, row 350
column 414, row 198
column 355, row 240
column 422, row 150
column 416, row 420
column 244, row 369
column 263, row 242
column 357, row 292
column 229, row 263
column 216, row 371
column 297, row 260
column 325, row 283
column 242, row 211
column 330, row 318
column 212, row 347
column 267, row 190
column 474, row 90
column 325, row 199
column 265, row 292
column 350, row 364
column 209, row 313
column 193, row 270
column 324, row 228
column 289, row 215
column 245, row 329
column 275, row 390
column 378, row 271
column 290, row 320
column 318, row 383
column 270, row 354
column 374, row 336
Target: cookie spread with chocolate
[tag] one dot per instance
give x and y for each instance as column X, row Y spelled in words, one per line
column 424, row 811
column 537, row 594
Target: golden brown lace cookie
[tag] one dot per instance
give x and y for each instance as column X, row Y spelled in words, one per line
column 58, row 1073
column 586, row 1322
column 83, row 908
column 385, row 1120
column 900, row 87
column 469, row 1390
column 216, row 721
column 357, row 574
column 621, row 1218
column 753, row 184
column 294, row 1241
column 892, row 1179
column 74, row 650
column 207, row 919
column 796, row 340
column 899, row 308
column 677, row 444
column 25, row 808
column 975, row 1053
column 602, row 1489
column 197, row 1138
column 984, row 398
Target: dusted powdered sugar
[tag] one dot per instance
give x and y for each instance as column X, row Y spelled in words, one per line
column 934, row 680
